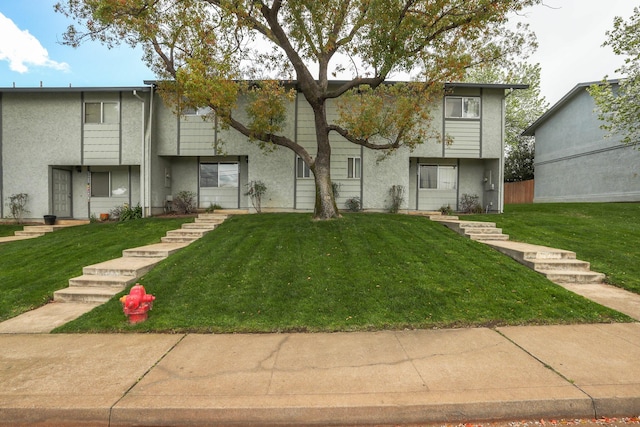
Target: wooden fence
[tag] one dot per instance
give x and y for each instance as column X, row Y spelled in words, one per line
column 518, row 192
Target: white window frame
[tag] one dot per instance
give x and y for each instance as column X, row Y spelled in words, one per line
column 220, row 183
column 103, row 119
column 303, row 171
column 439, row 177
column 465, row 111
column 354, row 167
column 200, row 111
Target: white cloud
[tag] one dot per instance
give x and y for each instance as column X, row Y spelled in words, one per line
column 21, row 49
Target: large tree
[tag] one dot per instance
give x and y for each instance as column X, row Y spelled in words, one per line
column 215, row 51
column 523, row 107
column 619, row 105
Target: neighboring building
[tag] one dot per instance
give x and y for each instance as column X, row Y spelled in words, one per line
column 80, row 152
column 574, row 162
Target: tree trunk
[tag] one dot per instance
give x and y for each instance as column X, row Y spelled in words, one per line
column 325, row 207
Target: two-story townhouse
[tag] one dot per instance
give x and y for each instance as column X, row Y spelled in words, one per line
column 79, row 152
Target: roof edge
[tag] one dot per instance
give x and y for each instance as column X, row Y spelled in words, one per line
column 531, row 130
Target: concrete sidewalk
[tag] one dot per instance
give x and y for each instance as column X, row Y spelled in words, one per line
column 378, row 378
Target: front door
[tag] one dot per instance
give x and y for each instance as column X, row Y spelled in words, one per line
column 61, row 193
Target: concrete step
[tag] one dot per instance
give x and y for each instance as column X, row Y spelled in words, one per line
column 185, row 232
column 22, row 233
column 443, row 218
column 125, row 266
column 87, row 280
column 481, row 230
column 178, row 239
column 92, row 294
column 574, row 277
column 484, row 237
column 522, row 252
column 201, row 225
column 39, row 228
column 212, row 216
column 158, row 250
column 557, row 264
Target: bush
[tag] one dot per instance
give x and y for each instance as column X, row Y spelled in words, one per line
column 446, row 210
column 469, row 203
column 353, row 204
column 126, row 213
column 18, row 206
column 397, row 198
column 185, row 202
column 255, row 191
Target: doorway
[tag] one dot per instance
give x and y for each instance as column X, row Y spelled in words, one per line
column 61, row 193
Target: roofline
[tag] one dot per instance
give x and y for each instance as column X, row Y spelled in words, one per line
column 75, row 89
column 446, row 85
column 531, row 130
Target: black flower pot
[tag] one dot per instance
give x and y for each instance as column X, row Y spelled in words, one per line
column 49, row 219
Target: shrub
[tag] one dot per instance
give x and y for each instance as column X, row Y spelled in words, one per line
column 18, row 206
column 446, row 210
column 255, row 191
column 336, row 186
column 353, row 204
column 185, row 202
column 397, row 198
column 212, row 208
column 126, row 213
column 469, row 203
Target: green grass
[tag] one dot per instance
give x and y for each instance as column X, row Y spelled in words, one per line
column 9, row 229
column 284, row 272
column 31, row 270
column 605, row 234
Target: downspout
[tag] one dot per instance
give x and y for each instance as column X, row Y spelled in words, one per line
column 501, row 163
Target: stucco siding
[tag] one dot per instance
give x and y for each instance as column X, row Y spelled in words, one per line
column 39, row 129
column 575, row 162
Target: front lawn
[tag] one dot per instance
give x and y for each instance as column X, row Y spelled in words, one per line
column 284, row 272
column 605, row 234
column 31, row 270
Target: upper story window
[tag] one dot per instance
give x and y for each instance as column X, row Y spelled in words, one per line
column 462, row 107
column 201, row 111
column 302, row 169
column 101, row 112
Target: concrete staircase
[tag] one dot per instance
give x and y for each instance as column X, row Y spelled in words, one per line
column 559, row 266
column 32, row 231
column 100, row 282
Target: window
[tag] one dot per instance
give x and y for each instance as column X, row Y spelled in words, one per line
column 438, row 177
column 302, row 169
column 462, row 107
column 100, row 184
column 101, row 112
column 202, row 111
column 353, row 167
column 219, row 175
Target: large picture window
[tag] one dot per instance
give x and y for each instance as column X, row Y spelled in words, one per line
column 101, row 112
column 462, row 107
column 219, row 175
column 438, row 177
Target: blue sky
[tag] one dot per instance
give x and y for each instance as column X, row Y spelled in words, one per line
column 570, row 35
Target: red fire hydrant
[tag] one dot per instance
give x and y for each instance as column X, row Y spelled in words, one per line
column 137, row 304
